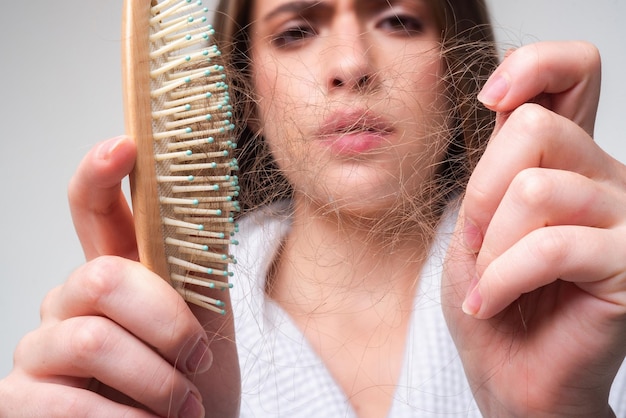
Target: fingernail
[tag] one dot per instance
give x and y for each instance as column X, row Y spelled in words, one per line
column 473, row 300
column 472, row 236
column 191, row 407
column 200, row 359
column 494, row 90
column 107, row 148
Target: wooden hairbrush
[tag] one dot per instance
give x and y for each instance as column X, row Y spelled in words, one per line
column 177, row 110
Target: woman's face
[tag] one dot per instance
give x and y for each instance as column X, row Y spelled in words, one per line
column 350, row 97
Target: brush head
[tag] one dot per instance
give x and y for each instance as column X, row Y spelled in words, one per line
column 178, row 110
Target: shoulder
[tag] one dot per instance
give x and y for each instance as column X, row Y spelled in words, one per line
column 260, row 234
column 261, row 231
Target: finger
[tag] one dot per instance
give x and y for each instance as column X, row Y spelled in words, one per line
column 95, row 347
column 589, row 257
column 101, row 215
column 44, row 399
column 139, row 301
column 569, row 72
column 531, row 137
column 543, row 197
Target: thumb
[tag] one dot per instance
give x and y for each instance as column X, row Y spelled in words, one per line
column 100, row 212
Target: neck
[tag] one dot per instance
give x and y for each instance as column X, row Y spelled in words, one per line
column 335, row 261
column 349, row 284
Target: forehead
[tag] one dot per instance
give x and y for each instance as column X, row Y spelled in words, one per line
column 266, row 9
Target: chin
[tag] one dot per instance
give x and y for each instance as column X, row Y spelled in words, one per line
column 367, row 189
column 363, row 202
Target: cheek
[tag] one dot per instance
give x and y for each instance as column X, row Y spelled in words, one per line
column 284, row 100
column 418, row 81
column 265, row 88
column 421, row 91
column 283, row 88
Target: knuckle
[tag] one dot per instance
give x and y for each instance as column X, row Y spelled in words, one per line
column 100, row 278
column 529, row 53
column 183, row 335
column 186, row 328
column 46, row 309
column 533, row 119
column 549, row 247
column 23, row 352
column 89, row 339
column 165, row 386
column 532, row 188
column 169, row 389
column 477, row 194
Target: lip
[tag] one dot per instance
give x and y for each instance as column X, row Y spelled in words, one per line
column 351, row 132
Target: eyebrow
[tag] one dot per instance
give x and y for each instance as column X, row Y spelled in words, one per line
column 302, row 7
column 299, row 7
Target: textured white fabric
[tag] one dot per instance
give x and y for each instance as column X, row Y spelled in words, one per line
column 282, row 376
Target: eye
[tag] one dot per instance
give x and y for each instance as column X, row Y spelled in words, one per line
column 402, row 25
column 294, row 35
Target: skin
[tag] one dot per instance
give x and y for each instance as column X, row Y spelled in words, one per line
column 538, row 258
column 309, row 71
column 340, row 59
column 91, row 327
column 544, row 202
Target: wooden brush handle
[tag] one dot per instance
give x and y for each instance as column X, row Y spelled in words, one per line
column 221, row 385
column 138, row 123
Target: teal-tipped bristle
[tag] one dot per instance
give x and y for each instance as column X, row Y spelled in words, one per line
column 194, row 139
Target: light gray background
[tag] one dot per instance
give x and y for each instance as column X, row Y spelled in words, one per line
column 60, row 95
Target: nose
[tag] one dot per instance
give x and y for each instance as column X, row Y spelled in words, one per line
column 347, row 57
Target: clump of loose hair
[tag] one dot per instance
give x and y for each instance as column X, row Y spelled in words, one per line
column 469, row 55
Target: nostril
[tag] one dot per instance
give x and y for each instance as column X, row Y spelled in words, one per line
column 362, row 82
column 337, row 82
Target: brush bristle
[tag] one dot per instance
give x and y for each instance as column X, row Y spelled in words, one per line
column 193, row 145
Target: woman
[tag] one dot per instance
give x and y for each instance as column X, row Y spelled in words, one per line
column 368, row 110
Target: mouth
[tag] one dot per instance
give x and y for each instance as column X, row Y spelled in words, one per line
column 354, row 131
column 346, row 122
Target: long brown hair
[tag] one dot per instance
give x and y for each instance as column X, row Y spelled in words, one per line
column 469, row 54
